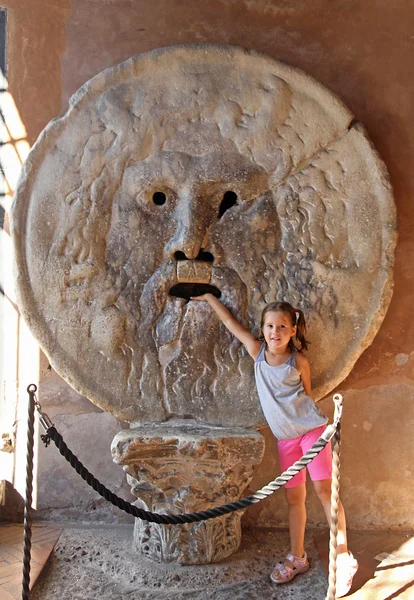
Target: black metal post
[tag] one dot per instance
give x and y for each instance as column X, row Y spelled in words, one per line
column 27, row 541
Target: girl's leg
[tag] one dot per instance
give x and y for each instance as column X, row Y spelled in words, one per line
column 296, row 561
column 323, row 491
column 295, row 490
column 296, row 497
column 320, row 470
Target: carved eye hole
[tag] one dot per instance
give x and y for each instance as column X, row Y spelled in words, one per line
column 159, row 198
column 229, row 200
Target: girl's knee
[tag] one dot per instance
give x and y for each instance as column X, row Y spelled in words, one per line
column 296, row 495
column 323, row 489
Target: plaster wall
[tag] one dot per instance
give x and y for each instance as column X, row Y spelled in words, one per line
column 360, row 50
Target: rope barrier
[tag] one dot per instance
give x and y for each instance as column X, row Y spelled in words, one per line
column 51, row 433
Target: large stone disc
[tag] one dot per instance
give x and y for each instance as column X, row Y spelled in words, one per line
column 196, row 165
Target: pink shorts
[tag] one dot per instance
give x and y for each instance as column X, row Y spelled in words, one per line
column 291, row 450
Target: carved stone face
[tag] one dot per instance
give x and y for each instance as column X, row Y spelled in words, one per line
column 240, row 174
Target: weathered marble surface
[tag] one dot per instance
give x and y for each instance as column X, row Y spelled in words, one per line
column 184, row 468
column 137, row 171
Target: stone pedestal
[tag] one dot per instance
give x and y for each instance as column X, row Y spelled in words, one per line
column 181, row 468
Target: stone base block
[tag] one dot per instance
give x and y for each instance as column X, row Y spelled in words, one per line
column 183, row 467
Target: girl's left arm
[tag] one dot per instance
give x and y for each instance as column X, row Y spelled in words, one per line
column 303, row 367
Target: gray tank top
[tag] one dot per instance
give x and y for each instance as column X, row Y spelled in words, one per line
column 289, row 411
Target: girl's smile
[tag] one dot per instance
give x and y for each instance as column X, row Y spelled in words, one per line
column 277, row 331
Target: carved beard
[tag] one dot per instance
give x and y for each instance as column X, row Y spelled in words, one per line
column 189, row 343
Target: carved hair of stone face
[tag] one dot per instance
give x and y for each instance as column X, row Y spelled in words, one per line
column 297, row 319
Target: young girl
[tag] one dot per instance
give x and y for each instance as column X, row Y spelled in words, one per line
column 284, row 386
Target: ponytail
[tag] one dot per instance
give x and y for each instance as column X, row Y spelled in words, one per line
column 301, row 329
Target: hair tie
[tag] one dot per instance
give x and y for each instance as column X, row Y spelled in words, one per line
column 297, row 314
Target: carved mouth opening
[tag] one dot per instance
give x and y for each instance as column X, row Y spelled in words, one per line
column 186, row 290
column 203, row 256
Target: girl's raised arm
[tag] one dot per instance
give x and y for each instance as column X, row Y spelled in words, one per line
column 252, row 344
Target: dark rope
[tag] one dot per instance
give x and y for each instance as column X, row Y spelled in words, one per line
column 27, row 540
column 53, row 434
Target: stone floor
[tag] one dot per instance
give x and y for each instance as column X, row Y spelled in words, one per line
column 98, row 564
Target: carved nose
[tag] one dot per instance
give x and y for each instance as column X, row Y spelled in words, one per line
column 189, row 237
column 187, row 246
column 183, row 248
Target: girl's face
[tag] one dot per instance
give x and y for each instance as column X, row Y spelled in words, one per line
column 277, row 331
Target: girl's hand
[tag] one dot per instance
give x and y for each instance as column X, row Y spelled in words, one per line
column 202, row 298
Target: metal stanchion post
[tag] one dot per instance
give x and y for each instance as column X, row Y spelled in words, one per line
column 336, row 442
column 27, row 540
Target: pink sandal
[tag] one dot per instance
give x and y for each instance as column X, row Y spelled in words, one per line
column 286, row 572
column 346, row 567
